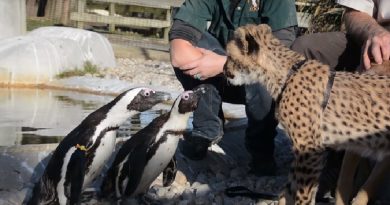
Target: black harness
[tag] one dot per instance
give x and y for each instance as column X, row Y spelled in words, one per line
column 290, row 73
column 294, row 69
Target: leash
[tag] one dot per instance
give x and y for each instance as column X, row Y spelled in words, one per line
column 245, row 192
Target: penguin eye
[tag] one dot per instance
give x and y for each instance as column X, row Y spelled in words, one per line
column 148, row 92
column 185, row 96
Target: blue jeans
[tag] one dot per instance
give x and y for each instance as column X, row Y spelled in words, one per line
column 208, row 118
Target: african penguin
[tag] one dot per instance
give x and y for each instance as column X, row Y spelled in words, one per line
column 81, row 155
column 150, row 151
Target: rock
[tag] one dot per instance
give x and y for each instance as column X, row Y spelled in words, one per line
column 130, row 201
column 220, row 177
column 176, row 188
column 161, row 191
column 218, row 200
column 201, row 201
column 184, row 202
column 229, row 201
column 219, row 186
column 266, row 202
column 188, row 194
column 202, row 178
column 201, row 190
column 236, row 172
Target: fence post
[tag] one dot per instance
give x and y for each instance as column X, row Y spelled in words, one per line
column 166, row 30
column 111, row 27
column 80, row 10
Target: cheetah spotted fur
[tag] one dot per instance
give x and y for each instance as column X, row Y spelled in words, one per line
column 356, row 116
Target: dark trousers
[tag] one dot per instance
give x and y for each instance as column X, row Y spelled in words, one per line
column 208, row 118
column 335, row 49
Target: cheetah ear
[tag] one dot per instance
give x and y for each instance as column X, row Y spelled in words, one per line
column 239, row 36
column 253, row 46
column 264, row 28
column 245, row 40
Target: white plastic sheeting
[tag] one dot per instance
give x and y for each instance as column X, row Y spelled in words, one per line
column 31, row 59
column 12, row 18
column 96, row 48
column 43, row 53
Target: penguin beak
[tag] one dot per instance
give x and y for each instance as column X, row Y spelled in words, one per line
column 163, row 96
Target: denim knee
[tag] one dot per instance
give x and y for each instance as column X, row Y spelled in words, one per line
column 258, row 101
column 261, row 128
column 207, row 122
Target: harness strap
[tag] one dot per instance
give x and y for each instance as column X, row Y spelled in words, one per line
column 328, row 89
column 294, row 68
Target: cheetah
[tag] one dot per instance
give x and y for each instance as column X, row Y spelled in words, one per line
column 351, row 162
column 318, row 108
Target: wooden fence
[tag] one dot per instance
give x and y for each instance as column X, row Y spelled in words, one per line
column 165, row 7
column 160, row 18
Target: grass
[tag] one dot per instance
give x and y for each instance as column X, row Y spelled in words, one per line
column 88, row 68
column 36, row 22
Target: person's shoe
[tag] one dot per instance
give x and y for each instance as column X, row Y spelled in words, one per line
column 195, row 148
column 262, row 168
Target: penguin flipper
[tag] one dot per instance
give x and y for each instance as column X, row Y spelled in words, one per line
column 75, row 176
column 169, row 173
column 136, row 168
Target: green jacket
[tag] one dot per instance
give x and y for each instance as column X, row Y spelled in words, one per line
column 278, row 14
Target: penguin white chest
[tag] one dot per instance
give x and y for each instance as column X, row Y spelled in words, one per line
column 158, row 162
column 101, row 157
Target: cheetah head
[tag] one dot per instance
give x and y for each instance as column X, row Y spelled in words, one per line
column 251, row 54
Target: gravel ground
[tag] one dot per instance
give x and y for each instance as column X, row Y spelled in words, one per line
column 144, row 72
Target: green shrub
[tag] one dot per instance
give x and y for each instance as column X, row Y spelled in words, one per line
column 326, row 15
column 88, row 67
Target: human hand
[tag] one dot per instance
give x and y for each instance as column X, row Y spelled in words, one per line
column 208, row 65
column 376, row 49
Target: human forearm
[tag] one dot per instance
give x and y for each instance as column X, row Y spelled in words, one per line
column 183, row 52
column 361, row 26
column 193, row 60
column 209, row 65
column 375, row 39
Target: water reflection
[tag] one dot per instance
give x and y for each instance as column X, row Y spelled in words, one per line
column 39, row 116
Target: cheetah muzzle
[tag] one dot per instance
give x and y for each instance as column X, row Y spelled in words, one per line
column 356, row 117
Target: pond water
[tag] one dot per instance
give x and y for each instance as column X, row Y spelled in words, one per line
column 39, row 116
